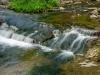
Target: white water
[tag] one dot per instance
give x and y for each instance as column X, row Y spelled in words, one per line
column 70, row 41
column 85, row 31
column 9, row 32
column 13, row 43
column 8, row 37
column 64, row 55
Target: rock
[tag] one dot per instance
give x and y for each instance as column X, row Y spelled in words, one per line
column 4, row 2
column 92, row 53
column 88, row 64
column 93, row 16
column 95, row 12
column 61, row 8
column 1, row 21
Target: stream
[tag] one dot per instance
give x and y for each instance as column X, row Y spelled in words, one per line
column 21, row 32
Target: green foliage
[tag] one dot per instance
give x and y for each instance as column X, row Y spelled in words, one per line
column 32, row 5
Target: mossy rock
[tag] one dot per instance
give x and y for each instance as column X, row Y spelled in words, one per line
column 70, row 18
column 98, row 55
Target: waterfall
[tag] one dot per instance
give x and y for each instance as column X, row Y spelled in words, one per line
column 69, row 42
column 72, row 40
column 87, row 31
column 12, row 42
column 12, row 35
column 9, row 37
column 9, row 32
column 79, row 44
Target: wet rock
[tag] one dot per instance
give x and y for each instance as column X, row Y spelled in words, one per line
column 87, row 64
column 1, row 21
column 92, row 53
column 28, row 24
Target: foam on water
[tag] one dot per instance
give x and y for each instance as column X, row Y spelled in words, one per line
column 13, row 43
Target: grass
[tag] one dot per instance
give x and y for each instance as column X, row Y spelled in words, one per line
column 65, row 18
column 29, row 6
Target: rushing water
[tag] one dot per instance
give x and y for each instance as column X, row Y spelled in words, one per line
column 68, row 42
column 21, row 32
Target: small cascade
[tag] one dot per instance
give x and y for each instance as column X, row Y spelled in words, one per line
column 72, row 40
column 18, row 37
column 87, row 31
column 28, row 40
column 64, row 40
column 64, row 56
column 12, row 43
column 79, row 44
column 69, row 42
column 9, row 32
column 32, row 34
column 5, row 42
column 13, row 35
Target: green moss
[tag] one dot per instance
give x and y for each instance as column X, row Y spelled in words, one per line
column 31, row 5
column 98, row 55
column 31, row 53
column 57, row 18
column 65, row 18
column 27, row 55
column 76, row 69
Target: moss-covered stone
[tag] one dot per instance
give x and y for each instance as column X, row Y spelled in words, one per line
column 98, row 55
column 68, row 18
column 28, row 55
